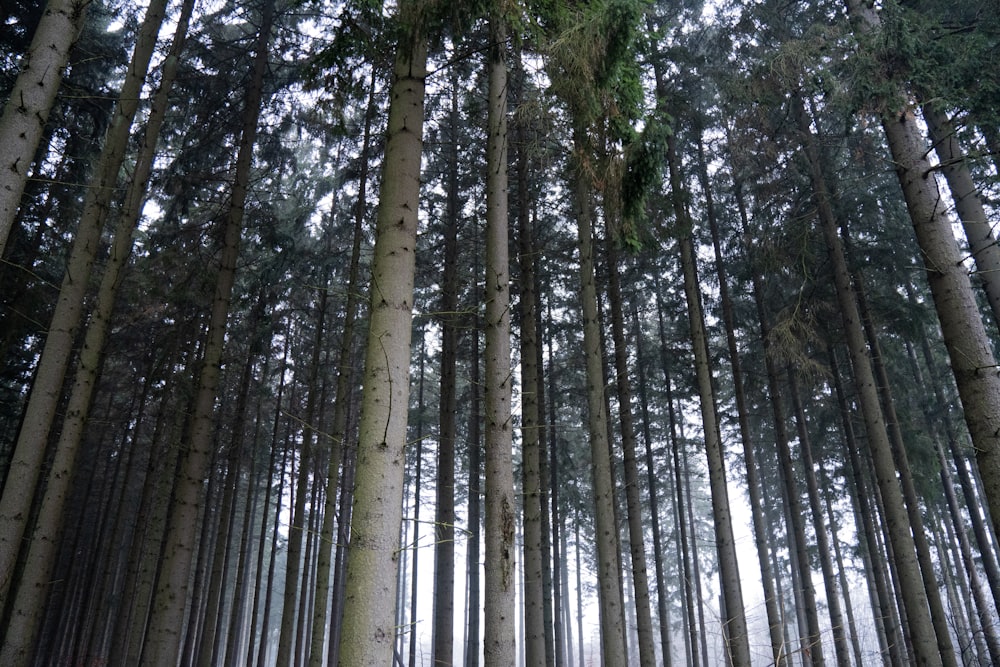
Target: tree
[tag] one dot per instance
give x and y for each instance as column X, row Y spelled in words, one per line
column 500, row 580
column 31, row 99
column 368, row 631
column 961, row 324
column 166, row 623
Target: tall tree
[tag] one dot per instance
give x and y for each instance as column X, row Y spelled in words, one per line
column 166, row 623
column 965, row 336
column 46, row 391
column 40, row 560
column 499, row 641
column 368, row 633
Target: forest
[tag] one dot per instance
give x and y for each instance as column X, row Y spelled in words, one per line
column 512, row 333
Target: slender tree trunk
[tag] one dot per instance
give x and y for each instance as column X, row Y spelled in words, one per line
column 754, row 488
column 172, row 590
column 444, row 507
column 31, row 99
column 368, row 631
column 913, row 593
column 473, row 646
column 342, row 399
column 28, row 605
column 411, row 628
column 606, row 538
column 845, row 590
column 295, row 568
column 636, row 527
column 968, row 205
column 680, row 504
column 734, row 617
column 531, row 408
column 885, row 610
column 652, row 482
column 809, row 466
column 499, row 643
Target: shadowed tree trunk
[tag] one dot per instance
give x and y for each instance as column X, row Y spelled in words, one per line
column 47, row 388
column 165, row 625
column 734, row 617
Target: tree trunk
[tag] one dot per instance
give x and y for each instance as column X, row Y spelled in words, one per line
column 968, row 205
column 633, row 503
column 29, row 602
column 368, row 631
column 810, row 640
column 662, row 594
column 965, row 338
column 31, row 100
column 172, row 589
column 531, row 408
column 295, row 568
column 809, row 466
column 47, row 389
column 444, row 508
column 342, row 399
column 606, row 538
column 734, row 618
column 499, row 641
column 754, row 488
column 914, row 595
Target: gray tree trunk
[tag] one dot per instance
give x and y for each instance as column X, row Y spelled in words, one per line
column 965, row 338
column 29, row 601
column 46, row 391
column 499, row 639
column 608, row 572
column 368, row 632
column 31, row 100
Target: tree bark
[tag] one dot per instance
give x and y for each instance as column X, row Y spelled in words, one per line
column 31, row 100
column 499, row 640
column 368, row 632
column 47, row 389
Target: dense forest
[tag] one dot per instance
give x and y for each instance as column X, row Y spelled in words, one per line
column 499, row 332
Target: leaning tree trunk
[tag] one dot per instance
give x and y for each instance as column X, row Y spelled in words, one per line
column 28, row 603
column 163, row 635
column 968, row 205
column 368, row 632
column 965, row 338
column 46, row 391
column 912, row 591
column 499, row 640
column 31, row 100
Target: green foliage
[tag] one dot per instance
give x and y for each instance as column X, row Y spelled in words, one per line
column 644, row 159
